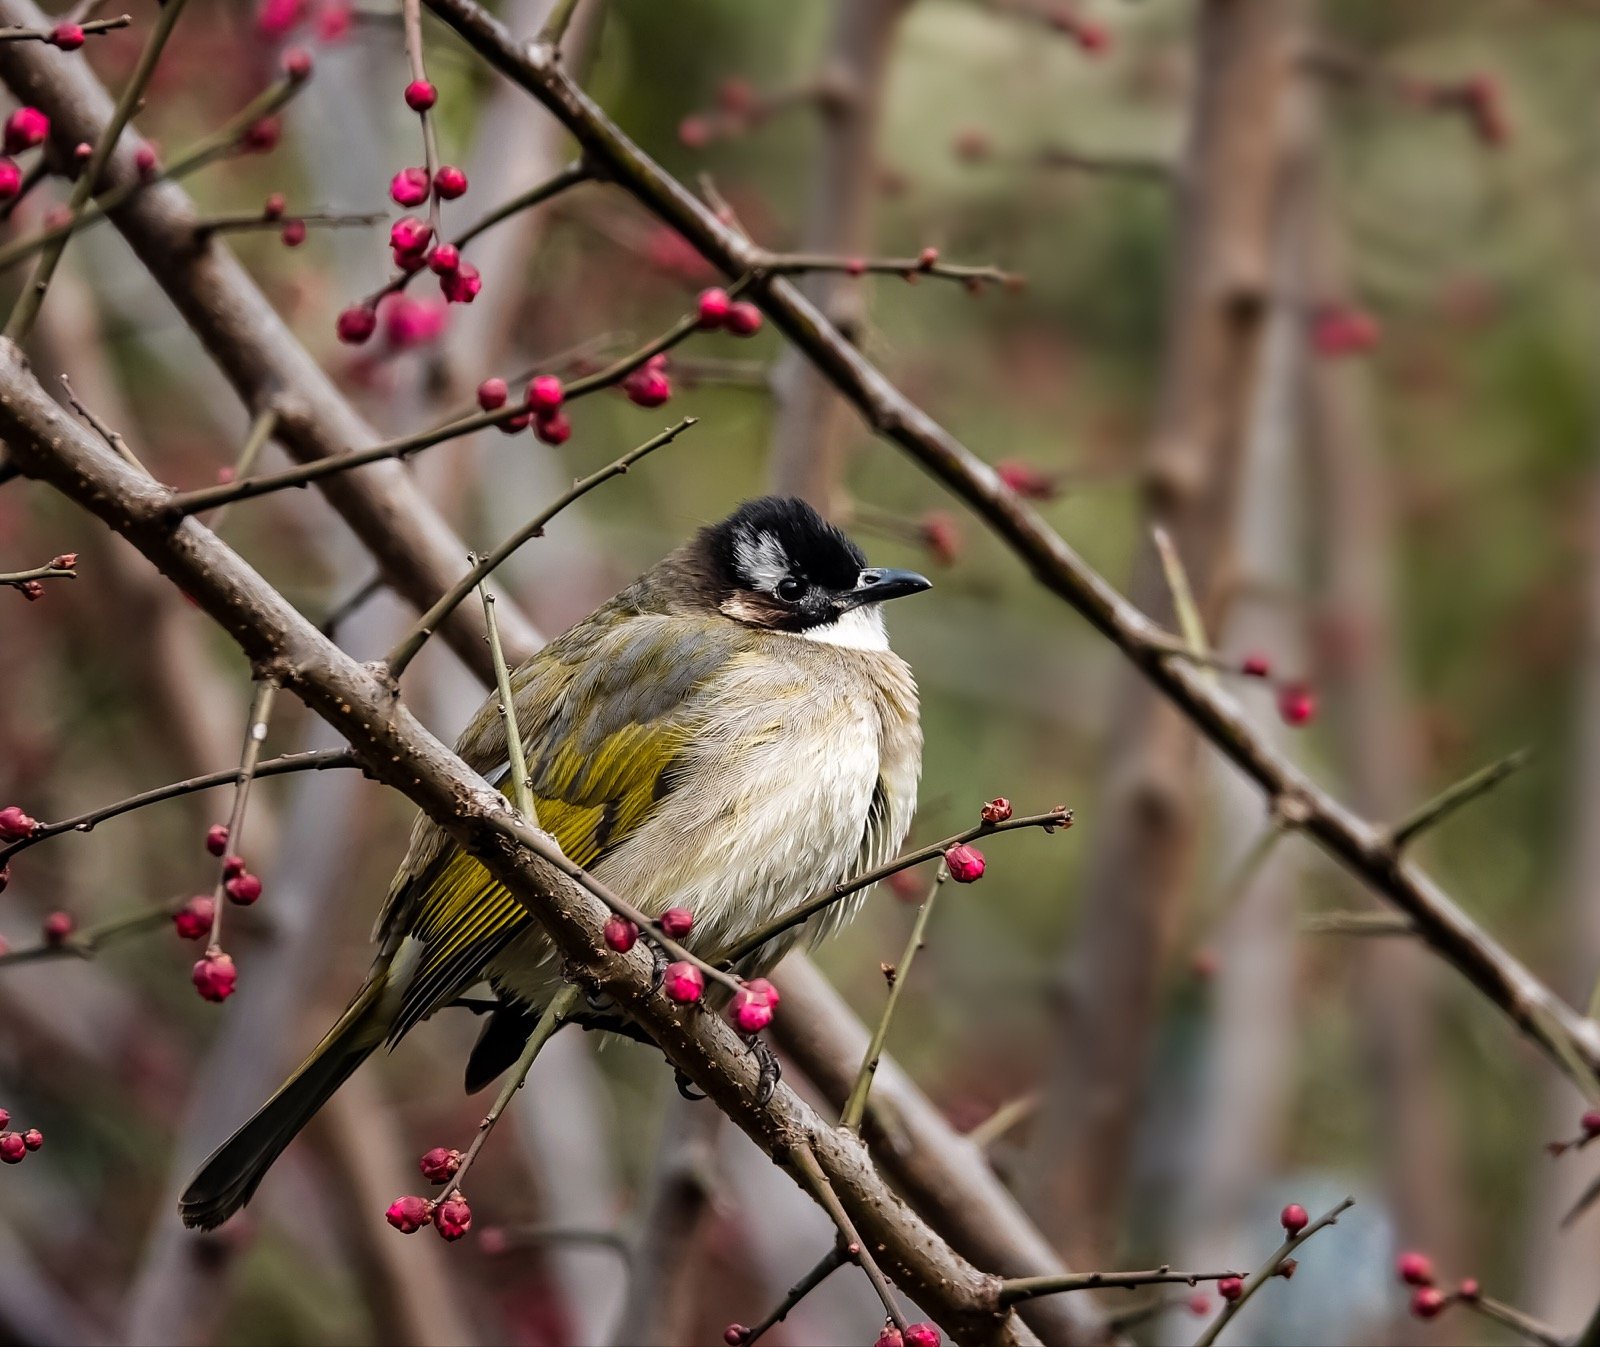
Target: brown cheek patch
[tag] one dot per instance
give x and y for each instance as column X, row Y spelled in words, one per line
column 755, row 610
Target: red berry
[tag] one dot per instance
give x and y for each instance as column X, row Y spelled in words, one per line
column 58, row 928
column 146, row 161
column 293, row 233
column 1415, row 1269
column 1427, row 1302
column 421, row 95
column 193, row 920
column 462, row 285
column 998, row 810
column 492, row 394
column 12, row 1148
column 966, row 863
column 1026, row 480
column 409, row 187
column 263, row 135
column 67, row 36
column 1294, row 1219
column 25, row 128
column 33, row 1138
column 922, row 1335
column 743, row 319
column 684, row 983
column 439, row 1164
column 714, row 305
column 244, row 888
column 15, row 825
column 553, row 429
column 215, row 977
column 452, row 1218
column 1297, row 703
column 620, row 934
column 409, row 1214
column 647, row 387
column 217, row 839
column 754, row 1005
column 677, row 922
column 449, row 182
column 297, row 63
column 410, row 235
column 356, row 324
column 444, row 259
column 545, row 394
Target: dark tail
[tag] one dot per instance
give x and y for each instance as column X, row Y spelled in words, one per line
column 227, row 1180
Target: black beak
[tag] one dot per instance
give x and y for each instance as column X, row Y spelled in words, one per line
column 877, row 586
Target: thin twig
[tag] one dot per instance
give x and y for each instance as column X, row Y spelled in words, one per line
column 855, row 1105
column 1535, row 1330
column 1012, row 1113
column 521, row 795
column 555, row 27
column 1183, row 601
column 255, row 734
column 1016, row 1289
column 246, row 221
column 408, row 646
column 1059, row 817
column 32, row 296
column 793, row 264
column 1454, row 797
column 1259, row 1277
column 342, row 612
column 261, row 430
column 812, row 1175
column 94, row 28
column 100, row 428
column 825, row 1267
column 1357, row 923
column 318, row 761
column 85, row 944
column 23, row 579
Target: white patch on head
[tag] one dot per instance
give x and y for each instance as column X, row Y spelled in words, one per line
column 761, row 557
column 859, row 629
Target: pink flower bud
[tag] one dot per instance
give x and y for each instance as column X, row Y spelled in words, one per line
column 1026, row 480
column 998, row 810
column 33, row 1138
column 215, row 977
column 232, row 865
column 293, row 233
column 714, row 305
column 1415, row 1269
column 262, row 136
column 146, row 161
column 297, row 63
column 694, row 132
column 68, row 36
column 58, row 928
column 462, row 285
column 966, row 863
column 334, row 20
column 444, row 259
column 409, row 1214
column 890, row 1336
column 409, row 187
column 922, row 1335
column 193, row 920
column 356, row 325
column 5, row 1118
column 1427, row 1302
column 754, row 1005
column 421, row 95
column 1294, row 1219
column 1590, row 1123
column 449, row 182
column 410, row 322
column 1256, row 666
column 275, row 18
column 512, row 424
column 12, row 1148
column 1343, row 330
column 15, row 825
column 274, row 206
column 439, row 1164
column 677, row 922
column 553, row 429
column 684, row 983
column 25, row 128
column 545, row 393
column 10, row 179
column 492, row 394
column 647, row 387
column 452, row 1218
column 217, row 839
column 735, row 1334
column 409, row 234
column 1297, row 704
column 743, row 319
column 620, row 934
column 244, row 888
column 1469, row 1290
column 1230, row 1288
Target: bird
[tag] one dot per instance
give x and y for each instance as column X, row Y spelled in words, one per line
column 730, row 734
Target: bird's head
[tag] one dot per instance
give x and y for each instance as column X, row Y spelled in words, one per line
column 778, row 565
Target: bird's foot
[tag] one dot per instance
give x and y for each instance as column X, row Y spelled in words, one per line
column 686, row 1087
column 770, row 1072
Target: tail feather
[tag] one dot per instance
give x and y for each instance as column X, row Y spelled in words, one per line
column 231, row 1175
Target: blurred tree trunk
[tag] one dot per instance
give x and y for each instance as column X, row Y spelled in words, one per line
column 1143, row 824
column 1395, row 984
column 812, row 421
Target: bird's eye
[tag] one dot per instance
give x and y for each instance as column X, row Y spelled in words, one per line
column 790, row 590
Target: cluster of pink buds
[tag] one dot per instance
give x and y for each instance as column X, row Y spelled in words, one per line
column 718, row 312
column 411, row 186
column 14, row 1146
column 15, row 825
column 649, row 386
column 754, row 1005
column 913, row 1335
column 1428, row 1300
column 544, row 399
column 997, row 810
column 1341, row 329
column 238, row 883
column 1296, row 698
column 24, row 129
column 451, row 1218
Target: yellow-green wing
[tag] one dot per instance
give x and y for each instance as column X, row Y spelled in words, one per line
column 604, row 714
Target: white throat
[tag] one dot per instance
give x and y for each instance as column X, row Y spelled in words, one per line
column 859, row 629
